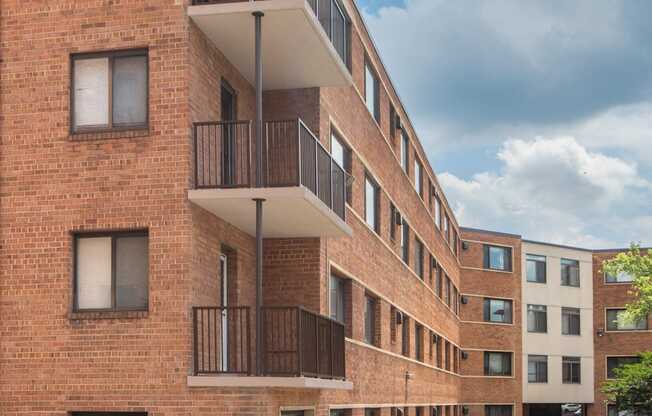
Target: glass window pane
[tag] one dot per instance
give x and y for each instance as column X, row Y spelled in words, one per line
column 369, row 89
column 337, row 151
column 370, row 203
column 132, row 266
column 337, row 299
column 404, row 150
column 497, row 258
column 91, row 94
column 417, row 177
column 130, row 90
column 93, row 260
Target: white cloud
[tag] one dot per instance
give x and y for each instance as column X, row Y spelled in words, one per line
column 554, row 189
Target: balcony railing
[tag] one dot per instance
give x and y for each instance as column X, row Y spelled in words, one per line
column 292, row 156
column 330, row 15
column 296, row 342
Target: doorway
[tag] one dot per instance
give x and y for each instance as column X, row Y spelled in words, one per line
column 224, row 303
column 228, row 115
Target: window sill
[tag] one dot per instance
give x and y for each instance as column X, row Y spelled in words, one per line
column 80, row 316
column 109, row 134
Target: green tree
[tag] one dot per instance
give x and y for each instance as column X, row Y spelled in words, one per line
column 631, row 390
column 637, row 264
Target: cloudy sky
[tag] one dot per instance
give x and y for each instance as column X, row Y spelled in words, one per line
column 537, row 115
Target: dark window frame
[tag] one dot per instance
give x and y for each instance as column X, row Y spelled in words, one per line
column 108, row 413
column 574, row 368
column 113, row 235
column 405, row 243
column 507, row 252
column 610, row 322
column 570, row 313
column 566, row 279
column 348, row 160
column 539, row 266
column 506, row 358
column 536, row 329
column 374, row 184
column 376, row 87
column 418, row 342
column 487, row 310
column 419, row 252
column 632, row 359
column 540, row 368
column 111, row 55
column 370, row 338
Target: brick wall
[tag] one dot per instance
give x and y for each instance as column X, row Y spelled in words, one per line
column 478, row 336
column 606, row 295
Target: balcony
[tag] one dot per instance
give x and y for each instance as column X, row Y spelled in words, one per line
column 304, row 43
column 303, row 187
column 301, row 349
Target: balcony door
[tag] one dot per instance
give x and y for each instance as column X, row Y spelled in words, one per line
column 224, row 300
column 228, row 113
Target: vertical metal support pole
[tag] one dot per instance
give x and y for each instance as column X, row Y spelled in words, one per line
column 259, row 183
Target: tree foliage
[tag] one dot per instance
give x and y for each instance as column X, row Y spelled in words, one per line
column 631, row 390
column 637, row 264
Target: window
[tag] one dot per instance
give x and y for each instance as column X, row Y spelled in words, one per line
column 111, row 271
column 447, row 295
column 394, row 121
column 405, row 333
column 434, row 411
column 570, row 273
column 370, row 320
column 447, row 234
column 341, row 154
column 439, row 351
column 337, row 298
column 339, row 412
column 371, row 412
column 418, row 411
column 621, row 277
column 109, row 90
column 498, row 410
column 497, row 258
column 497, row 363
column 537, row 369
column 372, row 199
column 498, row 310
column 405, row 146
column 418, row 341
column 297, row 413
column 440, row 281
column 456, row 243
column 571, row 372
column 455, row 300
column 447, row 355
column 371, row 91
column 405, row 243
column 437, row 212
column 395, row 220
column 418, row 180
column 418, row 258
column 537, row 318
column 616, row 321
column 535, row 268
column 570, row 321
column 616, row 362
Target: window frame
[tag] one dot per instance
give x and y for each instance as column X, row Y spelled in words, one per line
column 544, row 311
column 486, row 257
column 618, row 329
column 419, row 252
column 418, row 342
column 486, row 310
column 608, row 374
column 503, row 373
column 111, row 55
column 368, row 67
column 113, row 235
column 571, row 312
column 405, row 336
column 529, row 257
column 571, row 362
column 540, row 376
column 608, row 281
column 563, row 267
column 418, row 176
column 370, row 314
column 347, row 156
column 340, row 283
column 369, row 179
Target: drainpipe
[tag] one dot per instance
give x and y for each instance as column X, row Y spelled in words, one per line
column 259, row 184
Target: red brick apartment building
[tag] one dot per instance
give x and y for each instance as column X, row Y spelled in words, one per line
column 221, row 208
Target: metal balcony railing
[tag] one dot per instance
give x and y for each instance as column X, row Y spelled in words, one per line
column 296, row 342
column 292, row 156
column 330, row 14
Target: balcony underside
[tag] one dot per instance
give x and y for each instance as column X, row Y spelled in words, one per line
column 280, row 382
column 289, row 212
column 296, row 51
